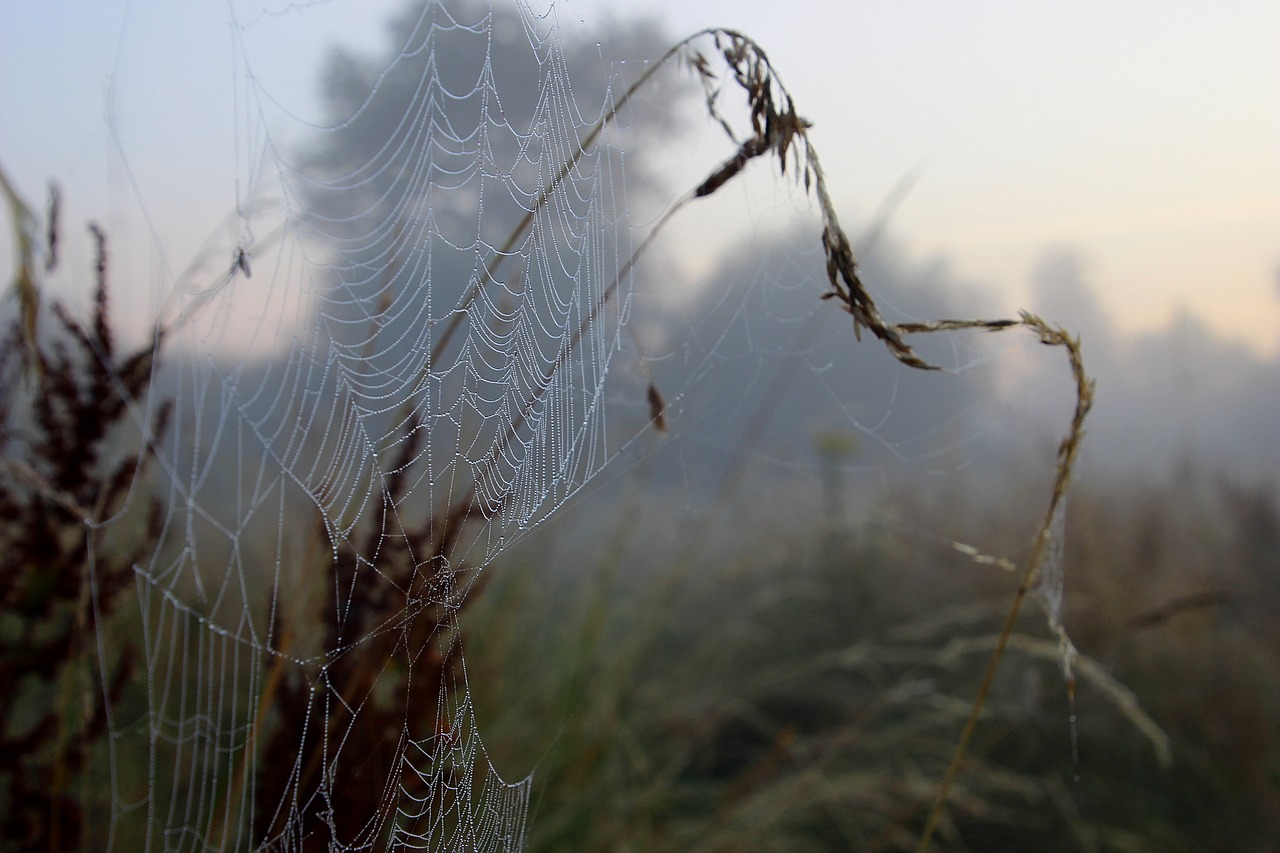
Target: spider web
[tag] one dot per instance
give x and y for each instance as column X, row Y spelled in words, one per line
column 387, row 366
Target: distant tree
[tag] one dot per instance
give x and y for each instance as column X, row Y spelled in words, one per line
column 469, row 107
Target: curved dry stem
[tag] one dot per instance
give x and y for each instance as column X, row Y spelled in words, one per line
column 777, row 129
column 1067, row 452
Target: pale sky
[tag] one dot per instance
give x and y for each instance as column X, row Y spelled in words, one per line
column 1145, row 135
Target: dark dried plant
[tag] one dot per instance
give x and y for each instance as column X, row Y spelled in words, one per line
column 66, row 397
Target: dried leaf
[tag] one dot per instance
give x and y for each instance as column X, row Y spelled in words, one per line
column 657, row 408
column 241, row 263
column 699, row 63
column 750, row 149
column 51, row 235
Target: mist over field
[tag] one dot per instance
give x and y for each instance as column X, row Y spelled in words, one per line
column 725, row 569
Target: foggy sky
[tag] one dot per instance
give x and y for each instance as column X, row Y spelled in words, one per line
column 1144, row 138
column 1176, row 391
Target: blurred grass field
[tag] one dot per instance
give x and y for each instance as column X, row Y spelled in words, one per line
column 808, row 698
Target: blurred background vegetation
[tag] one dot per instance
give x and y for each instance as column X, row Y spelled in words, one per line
column 765, row 682
column 806, row 694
